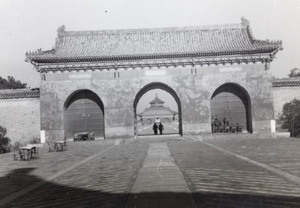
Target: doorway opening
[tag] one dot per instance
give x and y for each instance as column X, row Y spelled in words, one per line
column 157, row 104
column 84, row 113
column 231, row 110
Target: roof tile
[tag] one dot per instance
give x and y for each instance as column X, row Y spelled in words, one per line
column 140, row 43
column 287, row 82
column 19, row 93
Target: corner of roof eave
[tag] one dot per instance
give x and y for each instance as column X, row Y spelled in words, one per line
column 278, row 46
column 34, row 63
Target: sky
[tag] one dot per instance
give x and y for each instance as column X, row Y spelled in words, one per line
column 27, row 25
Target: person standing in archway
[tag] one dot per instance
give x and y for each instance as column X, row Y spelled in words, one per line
column 155, row 128
column 161, row 128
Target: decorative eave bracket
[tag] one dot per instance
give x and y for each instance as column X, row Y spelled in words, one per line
column 193, row 62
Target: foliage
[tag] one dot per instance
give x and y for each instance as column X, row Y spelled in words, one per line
column 4, row 141
column 16, row 146
column 294, row 72
column 11, row 83
column 3, row 131
column 35, row 140
column 290, row 117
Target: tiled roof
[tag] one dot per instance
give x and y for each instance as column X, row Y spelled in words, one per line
column 19, row 93
column 113, row 45
column 157, row 110
column 156, row 100
column 287, row 82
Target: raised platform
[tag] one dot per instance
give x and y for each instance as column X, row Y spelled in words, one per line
column 228, row 136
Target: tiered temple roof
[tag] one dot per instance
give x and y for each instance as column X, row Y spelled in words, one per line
column 138, row 44
column 157, row 101
column 157, row 111
column 286, row 82
column 157, row 108
column 19, row 93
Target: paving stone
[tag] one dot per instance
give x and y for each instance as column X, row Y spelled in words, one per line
column 280, row 153
column 17, row 175
column 175, row 172
column 221, row 180
column 100, row 182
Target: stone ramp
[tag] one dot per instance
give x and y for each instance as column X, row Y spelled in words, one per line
column 160, row 182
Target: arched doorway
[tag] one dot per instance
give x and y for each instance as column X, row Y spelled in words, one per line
column 231, row 109
column 84, row 112
column 172, row 120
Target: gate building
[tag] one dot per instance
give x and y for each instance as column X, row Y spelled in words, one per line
column 218, row 75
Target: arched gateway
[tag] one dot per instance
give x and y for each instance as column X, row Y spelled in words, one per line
column 84, row 113
column 231, row 109
column 157, row 85
column 192, row 61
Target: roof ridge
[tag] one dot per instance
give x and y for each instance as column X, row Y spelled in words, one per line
column 15, row 90
column 62, row 32
column 286, row 79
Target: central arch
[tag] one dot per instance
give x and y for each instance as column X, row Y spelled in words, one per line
column 153, row 86
column 83, row 112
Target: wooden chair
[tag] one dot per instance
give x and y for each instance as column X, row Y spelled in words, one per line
column 24, row 154
column 16, row 155
column 232, row 129
column 51, row 146
column 216, row 126
column 226, row 129
column 35, row 152
column 239, row 128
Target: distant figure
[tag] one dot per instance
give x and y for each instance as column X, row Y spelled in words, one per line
column 157, row 120
column 155, row 128
column 161, row 128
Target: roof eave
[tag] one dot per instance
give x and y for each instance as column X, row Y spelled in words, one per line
column 41, row 59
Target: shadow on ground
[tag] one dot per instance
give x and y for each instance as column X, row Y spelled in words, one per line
column 56, row 195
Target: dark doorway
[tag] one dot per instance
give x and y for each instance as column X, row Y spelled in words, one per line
column 84, row 112
column 231, row 110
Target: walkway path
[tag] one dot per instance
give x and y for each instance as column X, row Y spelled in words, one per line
column 161, row 178
column 157, row 172
column 169, row 128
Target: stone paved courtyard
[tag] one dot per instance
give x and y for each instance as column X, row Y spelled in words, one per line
column 157, row 172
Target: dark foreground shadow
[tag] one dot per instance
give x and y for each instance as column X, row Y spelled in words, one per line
column 55, row 195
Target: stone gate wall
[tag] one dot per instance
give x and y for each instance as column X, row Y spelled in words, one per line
column 117, row 89
column 21, row 118
column 285, row 90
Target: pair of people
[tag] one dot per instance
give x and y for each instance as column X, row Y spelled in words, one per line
column 160, row 127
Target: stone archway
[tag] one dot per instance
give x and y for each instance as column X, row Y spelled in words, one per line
column 161, row 86
column 231, row 109
column 84, row 112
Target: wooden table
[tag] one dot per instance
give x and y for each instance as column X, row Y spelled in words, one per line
column 60, row 145
column 28, row 153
